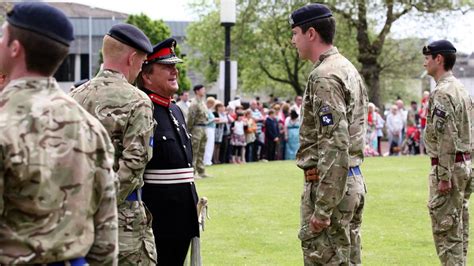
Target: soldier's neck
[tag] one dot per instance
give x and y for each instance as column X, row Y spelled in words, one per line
column 437, row 76
column 21, row 73
column 318, row 51
column 121, row 68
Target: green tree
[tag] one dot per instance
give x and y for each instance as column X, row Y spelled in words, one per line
column 157, row 31
column 365, row 15
column 252, row 54
column 261, row 41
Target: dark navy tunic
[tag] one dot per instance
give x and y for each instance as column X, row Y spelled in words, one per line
column 173, row 205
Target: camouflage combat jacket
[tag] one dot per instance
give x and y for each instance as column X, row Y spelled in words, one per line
column 448, row 124
column 197, row 113
column 57, row 193
column 127, row 114
column 333, row 128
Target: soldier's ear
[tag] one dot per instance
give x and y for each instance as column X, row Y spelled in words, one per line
column 439, row 59
column 312, row 34
column 132, row 57
column 15, row 48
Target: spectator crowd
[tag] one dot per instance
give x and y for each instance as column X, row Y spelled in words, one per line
column 402, row 128
column 249, row 132
column 267, row 131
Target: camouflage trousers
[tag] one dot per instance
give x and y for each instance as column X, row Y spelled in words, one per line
column 340, row 243
column 136, row 240
column 450, row 215
column 199, row 140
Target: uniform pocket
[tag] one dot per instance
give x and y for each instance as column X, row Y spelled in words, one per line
column 442, row 213
column 128, row 234
column 316, row 246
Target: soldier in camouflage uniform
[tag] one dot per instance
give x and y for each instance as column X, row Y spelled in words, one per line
column 332, row 138
column 448, row 143
column 57, row 194
column 197, row 122
column 127, row 114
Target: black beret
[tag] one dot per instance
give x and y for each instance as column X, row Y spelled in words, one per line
column 439, row 47
column 131, row 36
column 43, row 19
column 309, row 13
column 163, row 53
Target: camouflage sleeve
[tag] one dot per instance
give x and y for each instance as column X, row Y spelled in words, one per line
column 331, row 123
column 104, row 250
column 191, row 116
column 137, row 148
column 444, row 122
column 307, row 156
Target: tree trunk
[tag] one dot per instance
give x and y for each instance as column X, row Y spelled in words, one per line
column 371, row 73
column 292, row 77
column 297, row 87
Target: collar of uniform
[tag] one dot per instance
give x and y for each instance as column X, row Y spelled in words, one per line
column 160, row 100
column 163, row 101
column 23, row 80
column 110, row 72
column 331, row 51
column 199, row 99
column 445, row 76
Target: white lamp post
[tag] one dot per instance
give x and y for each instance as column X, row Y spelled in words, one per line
column 227, row 20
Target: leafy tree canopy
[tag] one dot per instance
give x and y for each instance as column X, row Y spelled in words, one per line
column 261, row 42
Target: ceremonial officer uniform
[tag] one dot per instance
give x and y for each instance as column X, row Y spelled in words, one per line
column 169, row 190
column 57, row 193
column 448, row 143
column 332, row 138
column 127, row 114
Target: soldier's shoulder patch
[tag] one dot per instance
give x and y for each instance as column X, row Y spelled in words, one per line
column 439, row 113
column 326, row 119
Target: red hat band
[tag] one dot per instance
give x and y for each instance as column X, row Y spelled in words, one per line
column 162, row 54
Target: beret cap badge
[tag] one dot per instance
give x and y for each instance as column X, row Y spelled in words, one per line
column 439, row 47
column 309, row 13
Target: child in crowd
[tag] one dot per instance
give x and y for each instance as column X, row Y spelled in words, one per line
column 250, row 136
column 220, row 131
column 238, row 138
column 271, row 135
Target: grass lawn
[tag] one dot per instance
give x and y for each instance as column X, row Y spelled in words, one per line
column 254, row 210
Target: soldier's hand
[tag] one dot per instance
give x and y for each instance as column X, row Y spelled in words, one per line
column 317, row 225
column 444, row 187
column 311, row 174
